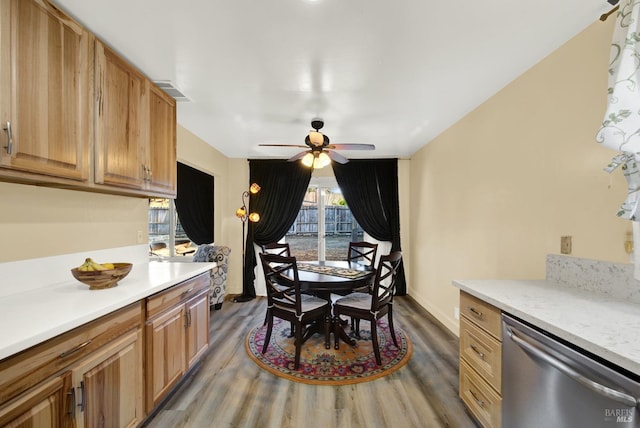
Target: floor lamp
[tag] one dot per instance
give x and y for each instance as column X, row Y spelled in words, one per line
column 243, row 214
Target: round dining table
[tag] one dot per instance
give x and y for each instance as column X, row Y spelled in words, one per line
column 324, row 278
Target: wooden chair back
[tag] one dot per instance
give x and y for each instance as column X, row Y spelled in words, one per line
column 281, row 249
column 281, row 280
column 363, row 252
column 384, row 285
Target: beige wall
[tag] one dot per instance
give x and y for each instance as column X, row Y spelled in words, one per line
column 497, row 190
column 40, row 222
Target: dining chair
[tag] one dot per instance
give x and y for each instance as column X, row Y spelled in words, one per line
column 279, row 248
column 375, row 305
column 365, row 253
column 285, row 301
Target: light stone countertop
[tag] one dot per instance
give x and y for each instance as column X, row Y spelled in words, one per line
column 32, row 314
column 606, row 326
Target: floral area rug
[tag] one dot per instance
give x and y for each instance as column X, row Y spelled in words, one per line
column 318, row 365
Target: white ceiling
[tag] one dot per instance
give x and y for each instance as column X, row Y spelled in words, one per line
column 390, row 73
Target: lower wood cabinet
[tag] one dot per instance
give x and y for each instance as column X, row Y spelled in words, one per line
column 481, row 360
column 108, row 385
column 88, row 377
column 177, row 334
column 45, row 405
column 112, row 371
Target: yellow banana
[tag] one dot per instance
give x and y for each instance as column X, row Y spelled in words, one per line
column 90, row 265
column 97, row 266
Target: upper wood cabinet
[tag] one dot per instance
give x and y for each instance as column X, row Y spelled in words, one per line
column 161, row 155
column 75, row 114
column 45, row 70
column 135, row 128
column 120, row 128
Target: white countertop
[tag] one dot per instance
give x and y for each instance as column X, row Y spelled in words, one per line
column 603, row 325
column 40, row 313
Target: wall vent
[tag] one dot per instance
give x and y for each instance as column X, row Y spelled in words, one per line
column 172, row 90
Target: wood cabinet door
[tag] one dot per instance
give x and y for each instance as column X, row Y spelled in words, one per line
column 121, row 115
column 45, row 63
column 161, row 152
column 108, row 385
column 197, row 338
column 47, row 405
column 165, row 358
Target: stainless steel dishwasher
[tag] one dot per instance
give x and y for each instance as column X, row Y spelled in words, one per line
column 550, row 384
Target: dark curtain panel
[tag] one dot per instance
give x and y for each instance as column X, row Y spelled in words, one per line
column 283, row 186
column 370, row 187
column 194, row 204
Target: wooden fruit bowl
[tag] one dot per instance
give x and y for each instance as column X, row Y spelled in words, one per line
column 100, row 279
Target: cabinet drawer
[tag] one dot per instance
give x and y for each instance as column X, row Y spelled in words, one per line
column 481, row 400
column 482, row 351
column 176, row 294
column 26, row 369
column 481, row 313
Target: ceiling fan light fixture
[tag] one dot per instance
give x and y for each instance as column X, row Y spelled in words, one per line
column 316, row 138
column 321, row 161
column 307, row 160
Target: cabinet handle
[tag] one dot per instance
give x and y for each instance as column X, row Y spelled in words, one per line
column 72, row 410
column 9, row 145
column 480, row 354
column 474, row 312
column 76, row 349
column 82, row 397
column 475, row 397
column 146, row 171
column 184, row 293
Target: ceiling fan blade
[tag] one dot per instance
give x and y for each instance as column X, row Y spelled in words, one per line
column 283, row 145
column 352, row 146
column 298, row 156
column 336, row 156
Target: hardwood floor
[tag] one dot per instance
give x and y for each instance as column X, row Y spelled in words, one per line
column 230, row 390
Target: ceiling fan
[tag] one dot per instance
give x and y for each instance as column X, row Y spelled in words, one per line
column 321, row 152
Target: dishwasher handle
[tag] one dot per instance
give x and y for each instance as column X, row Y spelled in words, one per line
column 594, row 386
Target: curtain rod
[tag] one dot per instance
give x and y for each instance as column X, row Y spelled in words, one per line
column 604, row 16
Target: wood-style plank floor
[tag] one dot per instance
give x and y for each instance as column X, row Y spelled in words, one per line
column 230, row 390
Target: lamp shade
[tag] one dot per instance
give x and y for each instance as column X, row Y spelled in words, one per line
column 254, row 217
column 316, row 138
column 307, row 160
column 254, row 188
column 321, row 160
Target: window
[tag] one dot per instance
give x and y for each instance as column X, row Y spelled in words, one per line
column 165, row 230
column 324, row 225
column 173, row 234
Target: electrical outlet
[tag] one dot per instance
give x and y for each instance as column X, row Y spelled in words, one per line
column 565, row 245
column 456, row 313
column 140, row 237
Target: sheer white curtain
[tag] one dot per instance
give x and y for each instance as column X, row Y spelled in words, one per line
column 621, row 125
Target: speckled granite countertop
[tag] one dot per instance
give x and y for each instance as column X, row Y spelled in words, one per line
column 605, row 325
